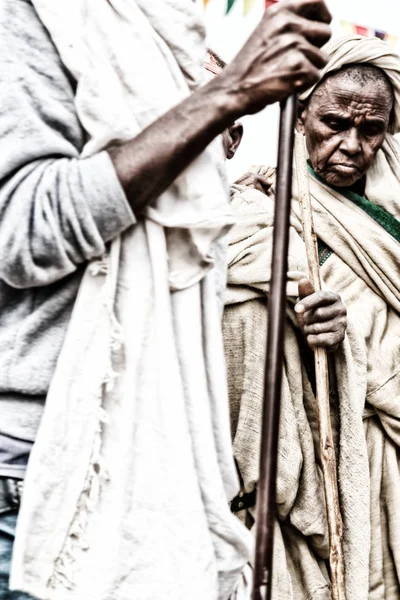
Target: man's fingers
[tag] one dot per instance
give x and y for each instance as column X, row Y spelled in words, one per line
column 249, row 182
column 315, row 32
column 253, row 180
column 262, row 183
column 303, row 61
column 242, row 178
column 265, row 181
column 316, row 10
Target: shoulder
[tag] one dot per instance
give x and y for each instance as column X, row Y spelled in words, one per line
column 37, row 92
column 19, row 24
column 26, row 47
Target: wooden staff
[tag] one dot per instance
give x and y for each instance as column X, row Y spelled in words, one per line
column 328, row 459
column 266, row 491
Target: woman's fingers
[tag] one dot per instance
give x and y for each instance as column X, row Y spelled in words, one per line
column 316, row 300
column 322, row 317
column 324, row 313
column 331, row 326
column 330, row 341
column 306, row 288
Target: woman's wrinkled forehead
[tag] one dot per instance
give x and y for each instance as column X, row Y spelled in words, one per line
column 363, row 84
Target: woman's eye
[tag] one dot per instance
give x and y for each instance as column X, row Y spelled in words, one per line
column 336, row 125
column 373, row 130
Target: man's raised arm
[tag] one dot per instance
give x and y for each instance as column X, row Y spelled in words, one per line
column 282, row 56
column 58, row 211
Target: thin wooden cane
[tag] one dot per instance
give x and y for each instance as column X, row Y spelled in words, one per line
column 328, row 459
column 266, row 491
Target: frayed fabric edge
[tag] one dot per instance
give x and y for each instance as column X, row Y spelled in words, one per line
column 65, row 567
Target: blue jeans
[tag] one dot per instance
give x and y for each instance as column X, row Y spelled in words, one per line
column 8, row 521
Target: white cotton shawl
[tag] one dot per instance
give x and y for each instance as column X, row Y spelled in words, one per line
column 129, row 480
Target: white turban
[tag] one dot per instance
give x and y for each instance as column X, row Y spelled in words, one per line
column 353, row 49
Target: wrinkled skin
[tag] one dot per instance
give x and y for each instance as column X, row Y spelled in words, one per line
column 345, row 125
column 322, row 317
column 282, row 56
column 255, row 181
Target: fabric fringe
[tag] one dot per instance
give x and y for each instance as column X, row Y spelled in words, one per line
column 65, row 570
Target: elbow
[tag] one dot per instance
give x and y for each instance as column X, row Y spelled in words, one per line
column 47, row 230
column 20, row 270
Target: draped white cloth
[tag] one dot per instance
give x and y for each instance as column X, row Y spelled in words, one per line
column 129, row 480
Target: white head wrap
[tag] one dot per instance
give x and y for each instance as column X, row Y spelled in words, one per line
column 353, row 49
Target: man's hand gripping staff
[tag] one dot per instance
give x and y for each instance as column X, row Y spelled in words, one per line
column 281, row 56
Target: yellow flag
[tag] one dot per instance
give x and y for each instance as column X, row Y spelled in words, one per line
column 347, row 27
column 205, row 2
column 247, row 6
column 391, row 40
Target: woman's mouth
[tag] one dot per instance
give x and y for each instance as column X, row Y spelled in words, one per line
column 345, row 168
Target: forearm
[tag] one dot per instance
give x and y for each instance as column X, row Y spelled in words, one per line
column 148, row 164
column 278, row 58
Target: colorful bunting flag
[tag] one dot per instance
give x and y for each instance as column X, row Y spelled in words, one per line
column 360, row 30
column 346, row 27
column 247, row 6
column 230, row 5
column 380, row 34
column 392, row 40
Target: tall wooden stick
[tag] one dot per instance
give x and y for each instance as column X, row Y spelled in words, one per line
column 328, row 459
column 266, row 491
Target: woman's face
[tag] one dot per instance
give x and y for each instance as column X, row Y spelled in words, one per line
column 345, row 124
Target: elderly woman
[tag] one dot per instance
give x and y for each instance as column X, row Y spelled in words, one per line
column 348, row 121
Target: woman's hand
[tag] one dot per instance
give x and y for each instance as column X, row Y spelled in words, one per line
column 322, row 317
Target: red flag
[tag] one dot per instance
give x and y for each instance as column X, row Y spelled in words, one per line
column 360, row 30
